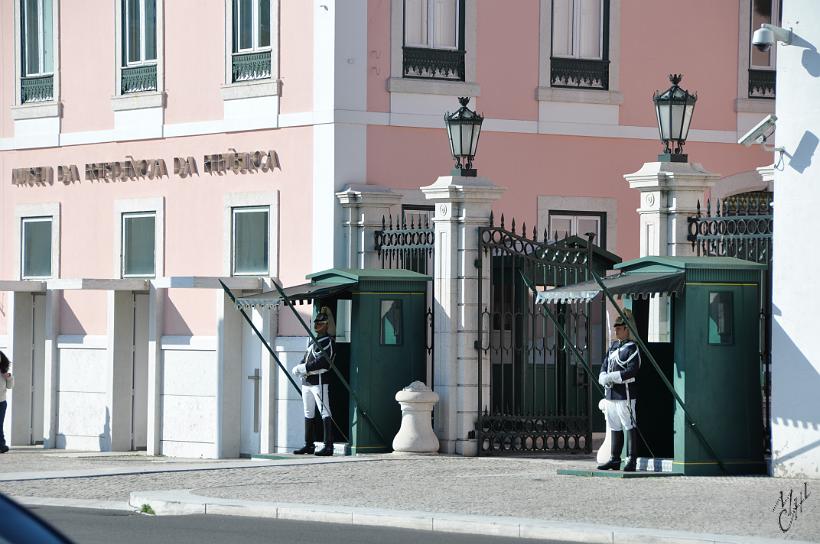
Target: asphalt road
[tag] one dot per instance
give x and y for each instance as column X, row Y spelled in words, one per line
column 86, row 526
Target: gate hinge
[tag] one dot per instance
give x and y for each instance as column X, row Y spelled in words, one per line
column 476, row 344
column 477, row 263
column 471, row 435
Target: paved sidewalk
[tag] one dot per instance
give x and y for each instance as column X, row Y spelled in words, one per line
column 516, row 497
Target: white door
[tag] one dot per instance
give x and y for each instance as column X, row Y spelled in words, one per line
column 251, row 406
column 139, row 374
column 38, row 361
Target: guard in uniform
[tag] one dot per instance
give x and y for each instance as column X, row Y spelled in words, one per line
column 618, row 373
column 314, row 364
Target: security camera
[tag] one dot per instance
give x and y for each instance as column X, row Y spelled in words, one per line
column 760, row 132
column 766, row 36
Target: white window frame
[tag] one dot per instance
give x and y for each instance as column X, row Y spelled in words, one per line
column 49, row 210
column 240, row 210
column 599, row 205
column 748, row 109
column 136, row 215
column 431, row 27
column 268, row 200
column 40, row 29
column 776, row 9
column 573, row 218
column 36, row 110
column 576, row 34
column 253, row 88
column 546, row 93
column 28, row 220
column 125, row 41
column 146, row 99
column 399, row 84
column 153, row 206
column 237, row 25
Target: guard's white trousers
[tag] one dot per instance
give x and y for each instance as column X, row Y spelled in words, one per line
column 618, row 415
column 313, row 395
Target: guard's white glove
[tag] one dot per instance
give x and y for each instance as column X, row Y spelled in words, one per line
column 602, row 379
column 612, row 378
column 299, row 370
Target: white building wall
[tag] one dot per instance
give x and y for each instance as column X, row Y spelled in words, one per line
column 796, row 299
column 83, row 411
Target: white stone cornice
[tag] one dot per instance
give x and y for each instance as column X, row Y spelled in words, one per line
column 654, row 176
column 362, row 195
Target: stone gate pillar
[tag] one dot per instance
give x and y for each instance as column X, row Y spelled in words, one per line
column 364, row 206
column 463, row 204
column 670, row 192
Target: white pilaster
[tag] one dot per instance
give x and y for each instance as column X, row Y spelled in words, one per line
column 670, row 192
column 364, row 208
column 463, row 205
column 156, row 301
column 18, row 411
column 119, row 360
column 51, row 375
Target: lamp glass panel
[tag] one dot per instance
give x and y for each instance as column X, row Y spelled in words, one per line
column 677, row 121
column 445, row 31
column 455, row 135
column 36, row 261
column 687, row 120
column 415, row 23
column 467, row 134
column 664, row 120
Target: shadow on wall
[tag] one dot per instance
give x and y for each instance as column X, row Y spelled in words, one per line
column 810, row 59
column 175, row 324
column 69, row 322
column 105, row 437
column 794, row 395
column 801, row 159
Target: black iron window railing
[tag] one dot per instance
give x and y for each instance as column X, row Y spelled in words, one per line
column 426, row 63
column 136, row 79
column 579, row 73
column 762, row 83
column 250, row 66
column 37, row 89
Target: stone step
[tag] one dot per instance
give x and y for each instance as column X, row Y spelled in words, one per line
column 651, row 464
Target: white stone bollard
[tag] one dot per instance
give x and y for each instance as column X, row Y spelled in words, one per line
column 416, row 433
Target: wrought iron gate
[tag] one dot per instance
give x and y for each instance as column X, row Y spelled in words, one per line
column 540, row 398
column 741, row 227
column 411, row 247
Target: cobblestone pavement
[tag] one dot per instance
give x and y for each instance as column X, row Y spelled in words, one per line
column 528, row 488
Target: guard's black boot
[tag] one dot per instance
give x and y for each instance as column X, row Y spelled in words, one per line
column 614, row 463
column 327, row 449
column 308, row 448
column 632, row 460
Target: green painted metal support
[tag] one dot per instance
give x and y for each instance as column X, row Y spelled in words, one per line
column 636, row 337
column 342, row 379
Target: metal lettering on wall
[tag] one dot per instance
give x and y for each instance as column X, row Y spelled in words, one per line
column 131, row 168
column 37, row 175
column 241, row 162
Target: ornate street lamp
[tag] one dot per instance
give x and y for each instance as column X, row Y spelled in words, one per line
column 463, row 128
column 674, row 108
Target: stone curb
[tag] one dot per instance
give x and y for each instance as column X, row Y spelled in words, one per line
column 181, row 502
column 74, row 503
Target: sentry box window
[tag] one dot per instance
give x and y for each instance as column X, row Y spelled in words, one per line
column 721, row 325
column 391, row 322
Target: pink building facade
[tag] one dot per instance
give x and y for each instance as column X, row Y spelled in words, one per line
column 147, row 149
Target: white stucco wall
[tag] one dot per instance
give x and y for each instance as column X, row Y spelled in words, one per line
column 795, row 351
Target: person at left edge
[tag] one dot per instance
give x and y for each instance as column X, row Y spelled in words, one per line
column 315, row 363
column 6, row 382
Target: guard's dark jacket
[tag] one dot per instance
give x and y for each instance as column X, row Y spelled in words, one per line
column 623, row 357
column 318, row 358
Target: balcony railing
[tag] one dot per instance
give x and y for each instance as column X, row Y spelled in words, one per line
column 249, row 66
column 579, row 73
column 37, row 89
column 426, row 63
column 762, row 83
column 137, row 79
